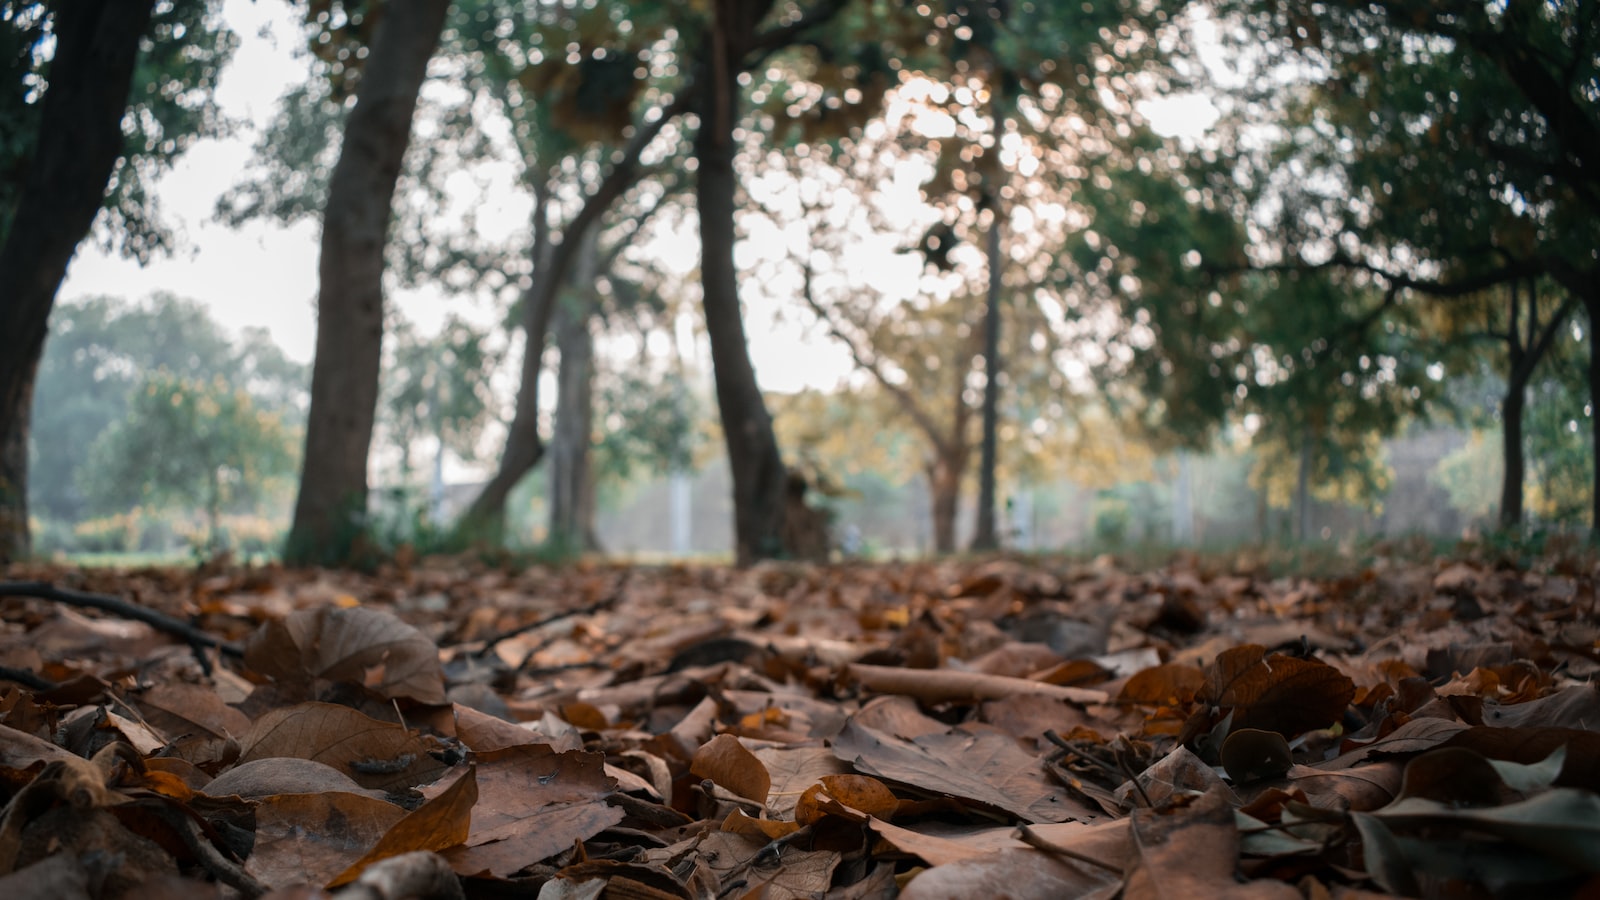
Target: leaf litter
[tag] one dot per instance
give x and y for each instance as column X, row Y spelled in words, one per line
column 952, row 729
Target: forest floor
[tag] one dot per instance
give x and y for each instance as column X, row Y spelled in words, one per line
column 952, row 729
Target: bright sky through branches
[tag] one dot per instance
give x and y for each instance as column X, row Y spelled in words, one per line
column 264, row 274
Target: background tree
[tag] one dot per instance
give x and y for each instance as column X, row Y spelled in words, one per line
column 1448, row 147
column 101, row 349
column 439, row 390
column 59, row 150
column 190, row 441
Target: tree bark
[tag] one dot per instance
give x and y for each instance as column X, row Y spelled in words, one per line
column 79, row 142
column 986, row 536
column 944, row 490
column 1591, row 303
column 759, row 484
column 571, row 481
column 330, row 511
column 1511, row 409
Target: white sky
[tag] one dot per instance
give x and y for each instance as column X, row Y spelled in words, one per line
column 265, row 275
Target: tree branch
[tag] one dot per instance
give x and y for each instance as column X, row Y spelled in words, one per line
column 871, row 365
column 191, row 635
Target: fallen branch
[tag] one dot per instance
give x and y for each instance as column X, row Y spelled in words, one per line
column 197, row 640
column 947, row 685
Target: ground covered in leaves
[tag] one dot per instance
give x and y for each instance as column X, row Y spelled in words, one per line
column 959, row 729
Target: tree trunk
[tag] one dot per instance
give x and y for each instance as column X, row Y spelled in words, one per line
column 986, row 536
column 1591, row 302
column 330, row 511
column 571, row 495
column 759, row 484
column 79, row 141
column 944, row 490
column 1302, row 487
column 1511, row 409
column 485, row 519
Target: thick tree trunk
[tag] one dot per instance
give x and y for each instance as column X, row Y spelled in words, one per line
column 571, row 482
column 759, row 483
column 986, row 536
column 80, row 139
column 330, row 510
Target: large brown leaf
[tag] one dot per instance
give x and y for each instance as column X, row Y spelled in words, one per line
column 1192, row 851
column 986, row 768
column 376, row 754
column 1279, row 693
column 534, row 803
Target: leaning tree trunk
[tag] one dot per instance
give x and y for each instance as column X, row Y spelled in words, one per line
column 759, row 484
column 571, row 494
column 79, row 142
column 485, row 519
column 986, row 536
column 331, row 507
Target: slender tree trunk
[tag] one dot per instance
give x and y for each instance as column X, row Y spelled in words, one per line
column 1591, row 302
column 986, row 536
column 1302, row 486
column 759, row 484
column 330, row 510
column 1511, row 410
column 485, row 519
column 944, row 490
column 571, row 499
column 80, row 139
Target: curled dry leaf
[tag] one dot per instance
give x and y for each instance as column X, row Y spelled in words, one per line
column 362, row 646
column 1279, row 693
column 728, row 764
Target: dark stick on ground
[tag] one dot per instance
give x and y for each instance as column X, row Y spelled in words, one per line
column 198, row 640
column 603, row 603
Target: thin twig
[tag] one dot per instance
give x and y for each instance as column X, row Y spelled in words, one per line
column 1037, row 841
column 603, row 603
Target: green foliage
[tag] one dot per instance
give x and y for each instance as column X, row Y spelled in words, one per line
column 171, row 105
column 99, row 351
column 438, row 388
column 648, row 422
column 1472, row 475
column 190, row 442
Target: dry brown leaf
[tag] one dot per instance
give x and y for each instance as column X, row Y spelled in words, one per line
column 376, row 754
column 730, row 765
column 1192, row 851
column 986, row 768
column 1279, row 693
column 283, row 775
column 439, row 823
column 534, row 803
column 1167, row 684
column 362, row 646
column 311, row 838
